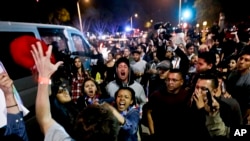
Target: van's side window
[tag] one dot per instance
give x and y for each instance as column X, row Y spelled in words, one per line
column 80, row 44
column 54, row 37
column 14, row 70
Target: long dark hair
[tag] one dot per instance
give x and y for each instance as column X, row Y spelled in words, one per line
column 64, row 113
column 75, row 70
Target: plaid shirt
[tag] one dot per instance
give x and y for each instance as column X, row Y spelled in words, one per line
column 76, row 87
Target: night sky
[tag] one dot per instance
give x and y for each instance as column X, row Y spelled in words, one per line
column 158, row 10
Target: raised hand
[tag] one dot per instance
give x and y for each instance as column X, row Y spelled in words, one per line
column 45, row 69
column 6, row 83
column 199, row 99
column 42, row 61
column 215, row 109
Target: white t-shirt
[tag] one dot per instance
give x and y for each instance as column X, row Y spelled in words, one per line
column 57, row 133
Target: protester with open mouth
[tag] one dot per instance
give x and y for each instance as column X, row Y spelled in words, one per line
column 124, row 78
column 126, row 113
column 91, row 94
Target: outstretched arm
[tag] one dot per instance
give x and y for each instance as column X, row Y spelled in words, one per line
column 45, row 69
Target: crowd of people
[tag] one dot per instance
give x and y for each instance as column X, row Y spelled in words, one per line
column 175, row 85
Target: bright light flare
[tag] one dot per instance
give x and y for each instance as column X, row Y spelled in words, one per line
column 187, row 14
column 128, row 28
column 184, row 25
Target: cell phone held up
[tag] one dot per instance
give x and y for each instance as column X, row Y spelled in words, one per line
column 2, row 69
column 210, row 100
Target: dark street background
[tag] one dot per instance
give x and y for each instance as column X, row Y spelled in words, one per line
column 160, row 10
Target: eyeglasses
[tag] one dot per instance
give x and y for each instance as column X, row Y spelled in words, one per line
column 62, row 89
column 173, row 80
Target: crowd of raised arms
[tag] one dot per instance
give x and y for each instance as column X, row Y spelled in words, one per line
column 177, row 86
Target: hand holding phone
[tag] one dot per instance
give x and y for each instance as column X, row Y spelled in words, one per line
column 212, row 106
column 2, row 69
column 6, row 84
column 209, row 100
column 199, row 100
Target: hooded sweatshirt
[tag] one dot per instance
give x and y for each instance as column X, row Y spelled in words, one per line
column 114, row 85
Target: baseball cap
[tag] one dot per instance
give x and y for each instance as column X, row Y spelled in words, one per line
column 164, row 65
column 169, row 49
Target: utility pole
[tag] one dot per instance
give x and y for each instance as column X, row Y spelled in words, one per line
column 79, row 15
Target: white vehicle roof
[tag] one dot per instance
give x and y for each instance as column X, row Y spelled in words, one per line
column 26, row 24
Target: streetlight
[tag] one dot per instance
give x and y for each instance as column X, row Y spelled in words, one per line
column 204, row 31
column 197, row 25
column 131, row 20
column 79, row 13
column 179, row 12
column 204, row 23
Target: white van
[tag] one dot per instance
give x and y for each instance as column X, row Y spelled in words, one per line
column 69, row 40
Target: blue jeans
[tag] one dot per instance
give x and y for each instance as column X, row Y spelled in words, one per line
column 16, row 125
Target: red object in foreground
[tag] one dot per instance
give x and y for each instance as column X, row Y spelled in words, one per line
column 20, row 51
